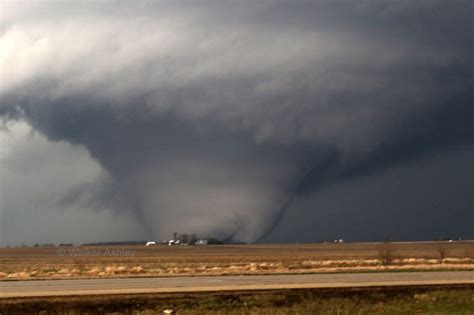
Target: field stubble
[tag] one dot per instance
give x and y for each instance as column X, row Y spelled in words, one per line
column 142, row 261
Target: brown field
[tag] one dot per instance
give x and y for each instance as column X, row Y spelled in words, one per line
column 138, row 261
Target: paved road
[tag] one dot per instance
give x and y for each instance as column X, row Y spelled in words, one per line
column 219, row 283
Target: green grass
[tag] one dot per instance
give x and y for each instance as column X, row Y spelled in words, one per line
column 439, row 301
column 395, row 300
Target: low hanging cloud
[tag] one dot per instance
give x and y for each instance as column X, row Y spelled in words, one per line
column 212, row 117
column 37, row 176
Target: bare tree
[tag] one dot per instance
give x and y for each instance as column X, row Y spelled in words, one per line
column 442, row 249
column 385, row 251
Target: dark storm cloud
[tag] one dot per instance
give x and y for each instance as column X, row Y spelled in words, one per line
column 426, row 198
column 216, row 117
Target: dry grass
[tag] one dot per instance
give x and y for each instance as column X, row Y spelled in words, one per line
column 34, row 263
column 396, row 300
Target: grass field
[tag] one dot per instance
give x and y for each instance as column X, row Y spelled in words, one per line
column 136, row 261
column 398, row 300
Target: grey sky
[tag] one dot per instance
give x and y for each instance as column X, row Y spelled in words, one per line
column 229, row 118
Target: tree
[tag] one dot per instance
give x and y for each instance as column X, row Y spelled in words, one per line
column 192, row 239
column 442, row 248
column 385, row 251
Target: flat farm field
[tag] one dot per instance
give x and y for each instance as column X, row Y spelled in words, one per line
column 161, row 260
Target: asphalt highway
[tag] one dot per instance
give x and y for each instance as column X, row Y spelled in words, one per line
column 38, row 288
